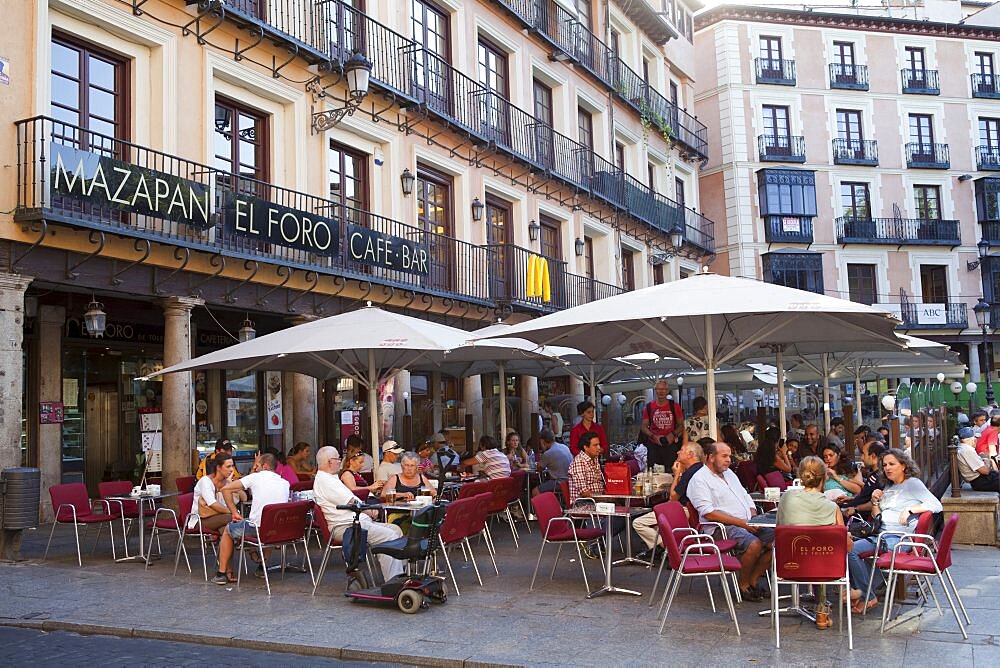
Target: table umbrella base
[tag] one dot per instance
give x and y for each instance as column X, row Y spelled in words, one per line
column 609, row 589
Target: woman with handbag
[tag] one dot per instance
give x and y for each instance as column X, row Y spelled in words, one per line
column 895, row 511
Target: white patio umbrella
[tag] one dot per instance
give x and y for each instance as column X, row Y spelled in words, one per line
column 710, row 320
column 365, row 345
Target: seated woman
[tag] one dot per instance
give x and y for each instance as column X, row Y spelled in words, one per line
column 841, row 474
column 285, row 470
column 350, row 473
column 424, row 462
column 410, row 482
column 517, row 455
column 899, row 505
column 298, row 459
column 772, row 455
column 810, row 506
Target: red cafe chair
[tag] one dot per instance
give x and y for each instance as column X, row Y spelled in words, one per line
column 559, row 529
column 281, row 525
column 72, row 505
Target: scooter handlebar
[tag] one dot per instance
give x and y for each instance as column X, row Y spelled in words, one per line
column 359, row 507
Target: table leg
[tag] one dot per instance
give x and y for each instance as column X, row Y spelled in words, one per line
column 629, row 559
column 608, row 588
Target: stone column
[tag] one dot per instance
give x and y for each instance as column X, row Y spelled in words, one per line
column 576, row 391
column 472, row 397
column 12, row 287
column 437, row 401
column 178, row 436
column 975, row 372
column 401, row 405
column 287, row 440
column 51, row 320
column 305, row 421
column 529, row 404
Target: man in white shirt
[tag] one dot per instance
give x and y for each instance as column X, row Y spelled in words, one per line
column 391, row 452
column 267, row 487
column 971, row 466
column 329, row 492
column 718, row 496
column 208, row 503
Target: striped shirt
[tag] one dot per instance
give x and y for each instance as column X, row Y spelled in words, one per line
column 493, row 463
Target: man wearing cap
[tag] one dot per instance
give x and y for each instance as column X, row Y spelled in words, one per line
column 443, row 457
column 223, row 445
column 389, row 467
column 971, row 466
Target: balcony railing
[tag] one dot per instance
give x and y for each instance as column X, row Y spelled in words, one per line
column 991, row 232
column 988, row 158
column 454, row 268
column 781, row 148
column 898, row 231
column 849, row 77
column 775, row 71
column 950, row 315
column 920, row 82
column 855, row 152
column 788, row 229
column 574, row 41
column 985, row 85
column 928, row 156
column 699, row 231
column 509, row 281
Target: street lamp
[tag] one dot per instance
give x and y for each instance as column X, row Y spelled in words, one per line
column 971, row 388
column 982, row 310
column 983, row 248
column 357, row 71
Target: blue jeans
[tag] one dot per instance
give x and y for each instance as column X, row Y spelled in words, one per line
column 859, row 570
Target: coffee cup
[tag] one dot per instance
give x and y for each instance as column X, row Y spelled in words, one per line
column 772, row 493
column 136, row 491
column 797, row 482
column 152, row 490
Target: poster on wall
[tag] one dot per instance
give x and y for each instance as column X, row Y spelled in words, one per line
column 272, row 400
column 350, row 423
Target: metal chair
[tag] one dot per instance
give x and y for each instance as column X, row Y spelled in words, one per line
column 559, row 529
column 465, row 518
column 72, row 505
column 281, row 525
column 191, row 527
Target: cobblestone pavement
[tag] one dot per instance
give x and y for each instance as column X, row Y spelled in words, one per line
column 500, row 623
column 30, row 647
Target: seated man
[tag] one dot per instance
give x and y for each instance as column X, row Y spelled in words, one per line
column 586, row 479
column 689, row 460
column 554, row 460
column 225, row 446
column 330, row 492
column 443, row 456
column 718, row 496
column 489, row 459
column 391, row 452
column 267, row 487
column 971, row 466
column 861, row 502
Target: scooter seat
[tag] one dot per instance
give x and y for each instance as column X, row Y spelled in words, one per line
column 402, row 548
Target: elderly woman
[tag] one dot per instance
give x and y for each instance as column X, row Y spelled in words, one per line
column 840, row 473
column 410, row 482
column 899, row 505
column 350, row 472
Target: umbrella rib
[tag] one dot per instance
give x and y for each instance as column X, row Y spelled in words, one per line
column 669, row 336
column 754, row 339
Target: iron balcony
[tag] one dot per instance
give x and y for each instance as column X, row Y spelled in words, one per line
column 781, row 148
column 920, row 82
column 928, row 156
column 855, row 152
column 898, row 231
column 848, row 77
column 955, row 316
column 775, row 71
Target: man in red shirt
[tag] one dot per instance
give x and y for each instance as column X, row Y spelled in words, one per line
column 987, row 443
column 662, row 427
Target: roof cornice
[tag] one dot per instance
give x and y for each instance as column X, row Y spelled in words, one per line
column 757, row 14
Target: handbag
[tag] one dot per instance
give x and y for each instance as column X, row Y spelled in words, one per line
column 617, row 479
column 861, row 529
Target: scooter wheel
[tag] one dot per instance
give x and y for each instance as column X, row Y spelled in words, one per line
column 409, row 601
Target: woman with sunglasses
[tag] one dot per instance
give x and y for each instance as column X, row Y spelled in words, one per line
column 350, row 472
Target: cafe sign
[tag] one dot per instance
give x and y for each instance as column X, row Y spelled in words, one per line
column 107, row 182
column 248, row 216
column 375, row 249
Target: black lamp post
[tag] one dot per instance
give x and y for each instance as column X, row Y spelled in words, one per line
column 982, row 311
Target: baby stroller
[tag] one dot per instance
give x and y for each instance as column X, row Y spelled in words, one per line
column 409, row 591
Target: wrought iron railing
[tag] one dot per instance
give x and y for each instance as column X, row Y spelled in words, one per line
column 850, row 77
column 955, row 316
column 788, row 229
column 920, row 82
column 562, row 29
column 988, row 158
column 855, row 152
column 782, row 148
column 900, row 231
column 985, row 85
column 455, row 268
column 775, row 71
column 928, row 156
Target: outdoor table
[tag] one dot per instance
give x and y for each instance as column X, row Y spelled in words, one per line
column 646, row 500
column 141, row 501
column 620, row 511
column 770, row 520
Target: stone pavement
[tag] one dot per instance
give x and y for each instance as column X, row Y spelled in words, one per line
column 499, row 624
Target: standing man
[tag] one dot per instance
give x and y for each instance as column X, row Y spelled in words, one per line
column 267, row 487
column 836, row 435
column 224, row 447
column 696, row 427
column 331, row 492
column 662, row 427
column 718, row 496
column 795, row 427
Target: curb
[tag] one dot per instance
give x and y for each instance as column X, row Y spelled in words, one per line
column 341, row 653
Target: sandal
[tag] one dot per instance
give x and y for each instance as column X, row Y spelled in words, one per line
column 859, row 607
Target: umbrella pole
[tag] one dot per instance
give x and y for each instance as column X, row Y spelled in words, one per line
column 373, row 404
column 826, row 394
column 503, row 404
column 710, row 378
column 857, row 397
column 779, row 363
